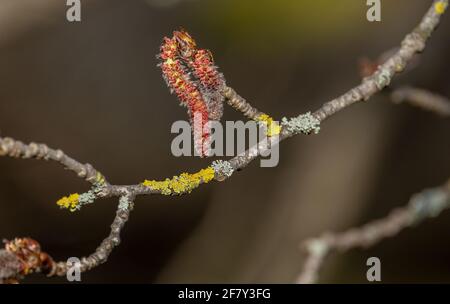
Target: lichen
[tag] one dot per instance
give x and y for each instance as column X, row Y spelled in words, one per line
column 222, row 167
column 185, row 182
column 99, row 179
column 383, row 79
column 70, row 202
column 87, row 198
column 75, row 201
column 124, row 203
column 440, row 7
column 273, row 128
column 304, row 123
column 429, row 203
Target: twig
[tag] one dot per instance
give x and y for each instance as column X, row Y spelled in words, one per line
column 14, row 264
column 9, row 266
column 240, row 104
column 426, row 204
column 102, row 253
column 423, row 99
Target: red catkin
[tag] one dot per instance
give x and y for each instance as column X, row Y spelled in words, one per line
column 178, row 80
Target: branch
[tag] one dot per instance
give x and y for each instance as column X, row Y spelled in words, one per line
column 102, row 253
column 426, row 204
column 423, row 99
column 307, row 123
column 10, row 266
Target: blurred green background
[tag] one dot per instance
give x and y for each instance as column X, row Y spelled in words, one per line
column 93, row 89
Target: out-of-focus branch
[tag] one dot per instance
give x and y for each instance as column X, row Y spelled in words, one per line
column 423, row 99
column 18, row 17
column 426, row 204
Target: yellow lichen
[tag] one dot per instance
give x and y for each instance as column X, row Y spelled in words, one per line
column 69, row 202
column 100, row 179
column 273, row 128
column 185, row 182
column 440, row 7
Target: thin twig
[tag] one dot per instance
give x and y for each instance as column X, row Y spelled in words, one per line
column 423, row 99
column 102, row 253
column 9, row 266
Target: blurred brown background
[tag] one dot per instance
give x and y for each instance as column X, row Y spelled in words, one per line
column 93, row 90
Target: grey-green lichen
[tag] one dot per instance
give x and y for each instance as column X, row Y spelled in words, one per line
column 222, row 167
column 124, row 203
column 75, row 201
column 86, row 198
column 383, row 79
column 429, row 203
column 90, row 196
column 304, row 123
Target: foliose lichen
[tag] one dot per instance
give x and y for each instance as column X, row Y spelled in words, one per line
column 304, row 123
column 222, row 167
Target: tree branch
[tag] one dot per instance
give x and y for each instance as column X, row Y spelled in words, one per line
column 423, row 99
column 9, row 266
column 413, row 43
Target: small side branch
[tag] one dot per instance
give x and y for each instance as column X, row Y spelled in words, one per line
column 102, row 253
column 423, row 99
column 17, row 149
column 238, row 103
column 24, row 256
column 10, row 267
